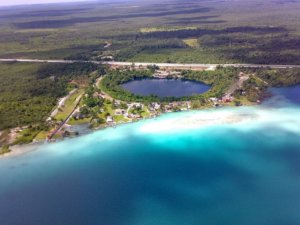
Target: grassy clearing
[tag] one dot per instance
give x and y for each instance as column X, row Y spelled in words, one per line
column 191, row 42
column 108, row 108
column 145, row 113
column 26, row 136
column 72, row 121
column 41, row 136
column 69, row 105
column 120, row 119
column 162, row 29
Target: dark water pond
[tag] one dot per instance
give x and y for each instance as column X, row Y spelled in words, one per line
column 286, row 95
column 165, row 87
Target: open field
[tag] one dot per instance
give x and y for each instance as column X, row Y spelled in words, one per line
column 192, row 42
column 164, row 29
column 65, row 110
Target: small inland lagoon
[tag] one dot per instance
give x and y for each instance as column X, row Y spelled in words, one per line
column 165, row 87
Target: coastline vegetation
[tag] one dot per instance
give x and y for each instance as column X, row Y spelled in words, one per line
column 30, row 91
column 5, row 149
column 279, row 77
column 219, row 79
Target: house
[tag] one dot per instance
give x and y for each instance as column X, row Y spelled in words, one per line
column 119, row 112
column 213, row 99
column 133, row 116
column 227, row 99
column 107, row 58
column 151, row 109
column 137, row 105
column 109, row 119
column 107, row 44
column 116, row 103
column 77, row 115
column 97, row 95
column 154, row 106
column 137, row 116
column 168, row 108
column 161, row 74
column 189, row 105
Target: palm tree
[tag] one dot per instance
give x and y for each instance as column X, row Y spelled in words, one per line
column 94, row 115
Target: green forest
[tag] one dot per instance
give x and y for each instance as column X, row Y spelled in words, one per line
column 28, row 92
column 153, row 32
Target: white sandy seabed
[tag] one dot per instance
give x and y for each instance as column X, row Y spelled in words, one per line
column 243, row 118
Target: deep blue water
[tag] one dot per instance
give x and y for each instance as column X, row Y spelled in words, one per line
column 165, row 87
column 288, row 94
column 213, row 167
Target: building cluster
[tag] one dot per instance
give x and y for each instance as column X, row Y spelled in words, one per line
column 136, row 111
column 132, row 112
column 163, row 74
column 219, row 101
column 177, row 106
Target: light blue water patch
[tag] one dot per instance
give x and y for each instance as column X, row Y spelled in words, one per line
column 226, row 166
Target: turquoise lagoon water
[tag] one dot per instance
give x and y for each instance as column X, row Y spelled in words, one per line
column 230, row 166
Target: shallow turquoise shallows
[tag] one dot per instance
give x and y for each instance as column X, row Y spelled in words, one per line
column 229, row 166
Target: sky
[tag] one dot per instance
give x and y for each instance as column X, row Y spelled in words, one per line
column 24, row 2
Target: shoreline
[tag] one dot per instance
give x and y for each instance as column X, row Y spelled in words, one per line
column 17, row 150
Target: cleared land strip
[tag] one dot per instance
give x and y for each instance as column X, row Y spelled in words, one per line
column 77, row 102
column 161, row 65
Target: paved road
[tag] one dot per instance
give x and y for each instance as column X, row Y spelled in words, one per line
column 161, row 65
